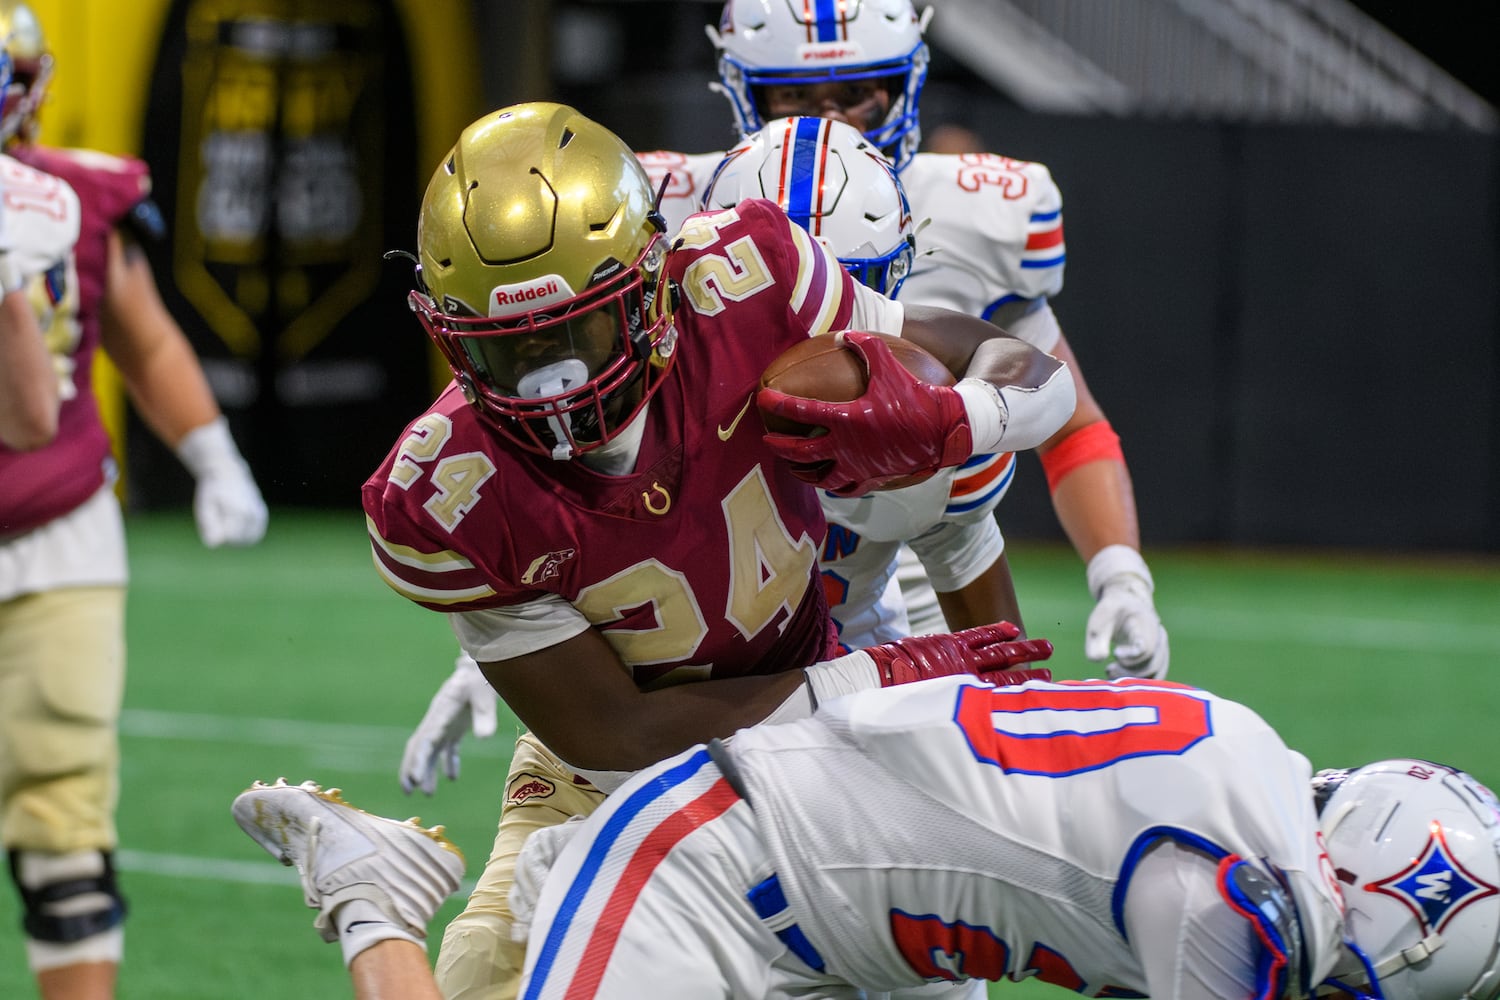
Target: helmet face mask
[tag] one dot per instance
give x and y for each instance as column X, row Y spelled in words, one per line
column 1417, row 846
column 781, row 44
column 542, row 268
column 830, row 180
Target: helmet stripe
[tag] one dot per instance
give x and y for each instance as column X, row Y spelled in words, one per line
column 831, row 25
column 803, row 175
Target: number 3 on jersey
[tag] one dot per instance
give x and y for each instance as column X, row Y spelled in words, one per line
column 1075, row 727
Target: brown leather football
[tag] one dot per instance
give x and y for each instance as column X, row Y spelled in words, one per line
column 822, row 368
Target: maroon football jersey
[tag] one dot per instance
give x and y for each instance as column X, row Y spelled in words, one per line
column 706, row 555
column 39, row 486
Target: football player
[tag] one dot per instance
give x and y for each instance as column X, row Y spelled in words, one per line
column 997, row 239
column 595, row 505
column 953, row 829
column 832, row 182
column 62, row 547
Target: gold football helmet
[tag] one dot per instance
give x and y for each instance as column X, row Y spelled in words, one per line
column 31, row 71
column 542, row 267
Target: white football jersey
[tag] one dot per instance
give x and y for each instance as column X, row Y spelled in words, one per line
column 686, row 175
column 39, row 219
column 994, row 231
column 949, row 522
column 953, row 821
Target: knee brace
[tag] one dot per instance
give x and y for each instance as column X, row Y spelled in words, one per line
column 67, row 897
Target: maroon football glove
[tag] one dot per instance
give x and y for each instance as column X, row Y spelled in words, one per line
column 899, row 427
column 988, row 651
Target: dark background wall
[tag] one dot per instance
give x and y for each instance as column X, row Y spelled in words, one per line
column 1293, row 328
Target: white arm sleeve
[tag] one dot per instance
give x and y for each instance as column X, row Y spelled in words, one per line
column 1017, row 418
column 502, row 633
column 1190, row 944
column 954, row 554
column 875, row 313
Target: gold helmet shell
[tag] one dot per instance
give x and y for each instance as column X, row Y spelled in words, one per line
column 542, row 260
column 31, row 69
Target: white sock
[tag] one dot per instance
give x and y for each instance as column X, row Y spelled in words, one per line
column 362, row 924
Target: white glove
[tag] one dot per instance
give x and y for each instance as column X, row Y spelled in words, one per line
column 537, row 856
column 1124, row 617
column 226, row 504
column 465, row 701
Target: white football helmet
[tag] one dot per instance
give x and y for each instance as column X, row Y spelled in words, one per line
column 762, row 42
column 1416, row 846
column 831, row 181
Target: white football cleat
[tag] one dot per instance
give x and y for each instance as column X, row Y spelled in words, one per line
column 344, row 853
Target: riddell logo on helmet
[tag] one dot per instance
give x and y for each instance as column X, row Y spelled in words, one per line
column 524, row 296
column 825, row 52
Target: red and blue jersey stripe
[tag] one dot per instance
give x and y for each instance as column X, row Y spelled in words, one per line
column 981, row 480
column 640, row 832
column 1044, row 241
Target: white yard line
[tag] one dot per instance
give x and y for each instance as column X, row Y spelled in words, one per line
column 266, row 872
column 204, row 727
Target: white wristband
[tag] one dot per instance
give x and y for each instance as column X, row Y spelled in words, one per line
column 1115, row 561
column 843, row 675
column 988, row 414
column 1017, row 418
column 11, row 278
column 209, row 447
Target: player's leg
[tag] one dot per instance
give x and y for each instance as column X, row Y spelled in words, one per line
column 479, row 960
column 62, row 673
column 375, row 882
column 669, row 884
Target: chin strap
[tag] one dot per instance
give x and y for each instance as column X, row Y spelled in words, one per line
column 1419, row 952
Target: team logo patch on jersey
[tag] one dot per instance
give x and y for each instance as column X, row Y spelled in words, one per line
column 547, row 566
column 529, row 786
column 1435, row 887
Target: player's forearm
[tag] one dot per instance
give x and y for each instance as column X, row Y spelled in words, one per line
column 989, row 597
column 160, row 369
column 29, row 396
column 1095, row 504
column 608, row 726
column 167, row 387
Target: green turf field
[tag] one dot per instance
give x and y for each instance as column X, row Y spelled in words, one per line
column 292, row 659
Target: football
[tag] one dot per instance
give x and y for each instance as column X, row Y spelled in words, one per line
column 823, row 368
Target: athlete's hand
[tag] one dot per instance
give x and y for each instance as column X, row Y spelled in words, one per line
column 899, row 427
column 982, row 651
column 1124, row 620
column 227, row 504
column 465, row 702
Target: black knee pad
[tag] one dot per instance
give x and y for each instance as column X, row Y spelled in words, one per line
column 46, row 916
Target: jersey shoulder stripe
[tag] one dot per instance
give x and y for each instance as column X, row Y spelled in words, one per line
column 434, row 579
column 1044, row 241
column 640, row 834
column 981, row 482
column 818, row 294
